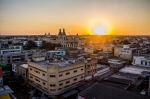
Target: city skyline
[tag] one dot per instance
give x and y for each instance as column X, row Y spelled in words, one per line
column 36, row 17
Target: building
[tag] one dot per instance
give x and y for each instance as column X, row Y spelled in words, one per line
column 102, row 91
column 149, row 88
column 54, row 77
column 5, row 93
column 90, row 68
column 15, row 66
column 142, row 60
column 54, row 53
column 117, row 63
column 9, row 58
column 125, row 52
column 88, row 50
column 15, row 47
column 1, row 78
column 37, row 42
column 23, row 70
column 9, row 51
column 64, row 40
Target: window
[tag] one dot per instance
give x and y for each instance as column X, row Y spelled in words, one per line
column 75, row 79
column 67, row 82
column 141, row 62
column 43, row 74
column 75, row 71
column 68, row 73
column 52, row 75
column 37, row 80
column 37, row 72
column 52, row 85
column 60, row 75
column 31, row 77
column 81, row 69
column 81, row 76
column 59, row 89
column 30, row 68
column 43, row 83
column 145, row 63
column 60, row 84
column 52, row 89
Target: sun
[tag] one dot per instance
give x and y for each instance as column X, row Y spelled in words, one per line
column 99, row 29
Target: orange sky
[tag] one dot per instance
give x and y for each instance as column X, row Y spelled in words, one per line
column 36, row 17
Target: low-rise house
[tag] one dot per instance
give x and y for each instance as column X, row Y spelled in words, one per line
column 117, row 63
column 142, row 60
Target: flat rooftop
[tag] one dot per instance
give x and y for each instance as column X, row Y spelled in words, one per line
column 24, row 65
column 101, row 91
column 134, row 69
column 60, row 63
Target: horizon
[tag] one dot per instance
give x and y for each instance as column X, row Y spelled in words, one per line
column 96, row 17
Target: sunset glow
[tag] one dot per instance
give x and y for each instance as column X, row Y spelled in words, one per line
column 36, row 17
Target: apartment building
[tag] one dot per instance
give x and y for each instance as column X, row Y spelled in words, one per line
column 142, row 60
column 56, row 53
column 55, row 76
column 90, row 68
column 125, row 52
column 23, row 70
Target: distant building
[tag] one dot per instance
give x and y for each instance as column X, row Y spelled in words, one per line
column 124, row 52
column 51, row 54
column 64, row 40
column 142, row 60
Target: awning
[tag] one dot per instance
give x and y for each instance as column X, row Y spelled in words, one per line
column 69, row 93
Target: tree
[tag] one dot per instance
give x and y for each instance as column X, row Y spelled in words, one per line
column 31, row 45
column 125, row 42
column 49, row 46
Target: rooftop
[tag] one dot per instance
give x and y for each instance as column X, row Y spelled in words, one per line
column 101, row 91
column 24, row 65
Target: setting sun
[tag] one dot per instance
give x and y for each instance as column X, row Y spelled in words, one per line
column 100, row 30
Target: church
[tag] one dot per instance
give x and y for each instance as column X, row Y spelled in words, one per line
column 64, row 40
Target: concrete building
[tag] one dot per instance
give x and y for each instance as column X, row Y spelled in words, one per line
column 64, row 40
column 117, row 63
column 15, row 66
column 38, row 43
column 9, row 58
column 9, row 51
column 23, row 70
column 124, row 52
column 51, row 54
column 142, row 60
column 54, row 77
column 89, row 50
column 90, row 68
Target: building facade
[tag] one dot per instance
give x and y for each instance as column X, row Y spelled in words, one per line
column 142, row 60
column 56, row 77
